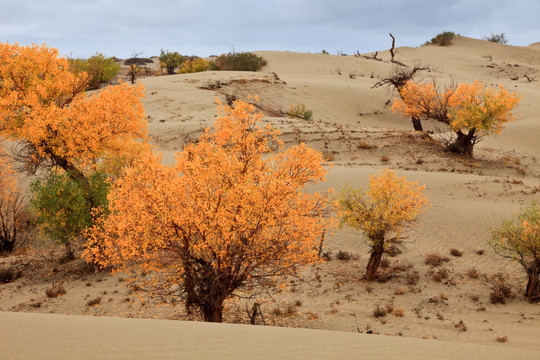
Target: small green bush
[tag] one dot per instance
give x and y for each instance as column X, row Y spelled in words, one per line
column 443, row 39
column 170, row 60
column 194, row 66
column 62, row 207
column 300, row 111
column 100, row 69
column 238, row 62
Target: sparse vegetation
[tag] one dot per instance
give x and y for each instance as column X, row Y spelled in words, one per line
column 100, row 69
column 194, row 66
column 55, row 290
column 94, row 302
column 435, row 258
column 456, row 252
column 443, row 39
column 519, row 239
column 234, row 61
column 497, row 38
column 300, row 111
column 8, row 274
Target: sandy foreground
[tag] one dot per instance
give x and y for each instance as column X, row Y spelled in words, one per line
column 42, row 336
column 352, row 125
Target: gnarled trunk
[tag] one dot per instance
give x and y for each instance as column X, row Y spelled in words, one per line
column 374, row 261
column 532, row 292
column 417, row 123
column 464, row 143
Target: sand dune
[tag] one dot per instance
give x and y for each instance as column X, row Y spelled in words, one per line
column 467, row 197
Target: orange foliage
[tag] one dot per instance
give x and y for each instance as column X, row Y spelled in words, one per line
column 43, row 105
column 467, row 106
column 227, row 214
column 390, row 203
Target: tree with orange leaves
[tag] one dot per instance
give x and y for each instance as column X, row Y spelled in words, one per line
column 470, row 111
column 390, row 203
column 228, row 215
column 44, row 107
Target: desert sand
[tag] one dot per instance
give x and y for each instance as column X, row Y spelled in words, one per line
column 453, row 318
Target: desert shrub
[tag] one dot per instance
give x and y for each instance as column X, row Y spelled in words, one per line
column 456, row 252
column 194, row 66
column 99, row 68
column 170, row 60
column 300, row 111
column 63, row 208
column 400, row 291
column 93, row 302
column 8, row 274
column 381, row 310
column 502, row 339
column 390, row 203
column 473, row 273
column 385, row 263
column 398, row 312
column 234, row 61
column 138, row 61
column 519, row 239
column 439, row 274
column 443, row 39
column 435, row 258
column 497, row 38
column 15, row 224
column 500, row 289
column 56, row 290
column 365, row 146
column 343, row 255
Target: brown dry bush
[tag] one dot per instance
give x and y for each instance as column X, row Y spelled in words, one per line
column 412, row 278
column 456, row 252
column 93, row 302
column 8, row 275
column 56, row 290
column 473, row 273
column 400, row 291
column 439, row 274
column 343, row 255
column 500, row 289
column 435, row 258
column 502, row 339
column 381, row 311
column 399, row 312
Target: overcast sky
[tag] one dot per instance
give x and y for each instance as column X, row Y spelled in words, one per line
column 80, row 28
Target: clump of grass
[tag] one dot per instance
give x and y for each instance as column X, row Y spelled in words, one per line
column 412, row 278
column 381, row 311
column 456, row 252
column 460, row 326
column 277, row 311
column 502, row 339
column 500, row 289
column 439, row 274
column 364, row 145
column 8, row 275
column 343, row 255
column 93, row 302
column 56, row 290
column 368, row 288
column 385, row 263
column 328, row 156
column 480, row 252
column 475, row 297
column 443, row 39
column 398, row 312
column 385, row 159
column 473, row 273
column 435, row 259
column 400, row 291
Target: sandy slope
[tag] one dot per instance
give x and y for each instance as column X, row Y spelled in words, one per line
column 467, row 197
column 39, row 336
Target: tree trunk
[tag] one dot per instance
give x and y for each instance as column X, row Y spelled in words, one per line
column 464, row 143
column 213, row 312
column 374, row 261
column 417, row 123
column 532, row 292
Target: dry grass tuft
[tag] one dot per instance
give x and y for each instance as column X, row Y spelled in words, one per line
column 502, row 339
column 385, row 159
column 412, row 278
column 94, row 302
column 435, row 258
column 473, row 273
column 400, row 291
column 456, row 252
column 398, row 312
column 56, row 290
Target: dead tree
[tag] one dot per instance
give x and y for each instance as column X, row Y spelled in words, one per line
column 397, row 80
column 392, row 53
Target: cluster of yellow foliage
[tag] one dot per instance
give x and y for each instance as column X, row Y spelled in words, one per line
column 467, row 106
column 194, row 66
column 227, row 213
column 43, row 104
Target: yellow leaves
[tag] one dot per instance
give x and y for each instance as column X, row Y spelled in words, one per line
column 388, row 205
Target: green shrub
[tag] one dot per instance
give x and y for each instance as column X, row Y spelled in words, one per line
column 300, row 111
column 99, row 68
column 238, row 62
column 497, row 38
column 194, row 66
column 170, row 60
column 62, row 207
column 442, row 39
